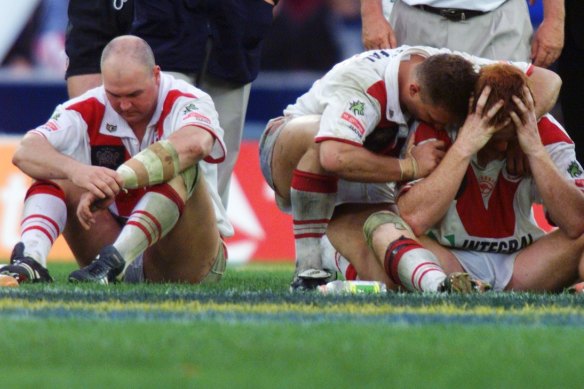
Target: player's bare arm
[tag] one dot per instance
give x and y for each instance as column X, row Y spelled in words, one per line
column 554, row 189
column 354, row 163
column 37, row 158
column 545, row 85
column 428, row 200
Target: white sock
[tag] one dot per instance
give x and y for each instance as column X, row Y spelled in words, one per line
column 43, row 220
column 153, row 217
column 313, row 198
column 415, row 268
column 333, row 260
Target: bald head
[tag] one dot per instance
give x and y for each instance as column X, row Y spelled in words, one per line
column 127, row 49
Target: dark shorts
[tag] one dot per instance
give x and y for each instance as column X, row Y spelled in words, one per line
column 92, row 24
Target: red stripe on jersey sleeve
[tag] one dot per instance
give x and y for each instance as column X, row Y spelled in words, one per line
column 550, row 133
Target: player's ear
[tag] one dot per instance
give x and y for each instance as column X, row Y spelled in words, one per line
column 414, row 89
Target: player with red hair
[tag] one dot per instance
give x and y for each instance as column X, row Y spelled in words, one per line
column 470, row 222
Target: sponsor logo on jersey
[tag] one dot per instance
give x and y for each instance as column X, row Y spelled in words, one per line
column 55, row 116
column 357, row 107
column 111, row 127
column 198, row 117
column 107, row 156
column 50, row 126
column 354, row 121
column 498, row 246
column 574, row 169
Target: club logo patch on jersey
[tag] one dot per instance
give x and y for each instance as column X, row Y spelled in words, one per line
column 357, row 107
column 190, row 108
column 574, row 169
column 107, row 156
column 486, row 185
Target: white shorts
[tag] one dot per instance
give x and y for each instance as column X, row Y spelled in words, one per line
column 494, row 268
column 348, row 192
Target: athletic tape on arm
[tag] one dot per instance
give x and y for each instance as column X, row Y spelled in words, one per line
column 157, row 164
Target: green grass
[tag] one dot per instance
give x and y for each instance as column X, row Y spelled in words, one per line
column 249, row 332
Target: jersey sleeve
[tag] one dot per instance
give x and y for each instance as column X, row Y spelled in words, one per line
column 200, row 112
column 65, row 131
column 562, row 151
column 349, row 118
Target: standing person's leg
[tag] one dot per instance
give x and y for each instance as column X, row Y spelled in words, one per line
column 231, row 102
column 570, row 65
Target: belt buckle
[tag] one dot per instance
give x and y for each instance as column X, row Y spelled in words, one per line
column 452, row 14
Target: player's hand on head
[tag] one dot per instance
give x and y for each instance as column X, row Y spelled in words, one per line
column 477, row 128
column 525, row 121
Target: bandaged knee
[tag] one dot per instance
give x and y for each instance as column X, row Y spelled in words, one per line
column 378, row 219
column 155, row 165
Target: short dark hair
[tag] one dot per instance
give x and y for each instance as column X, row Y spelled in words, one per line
column 505, row 81
column 447, row 81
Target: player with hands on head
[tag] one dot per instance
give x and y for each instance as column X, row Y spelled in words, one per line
column 135, row 160
column 470, row 223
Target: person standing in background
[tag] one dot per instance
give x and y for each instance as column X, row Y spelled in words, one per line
column 570, row 65
column 92, row 24
column 215, row 45
column 495, row 29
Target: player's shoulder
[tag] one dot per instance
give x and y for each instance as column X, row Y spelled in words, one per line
column 551, row 131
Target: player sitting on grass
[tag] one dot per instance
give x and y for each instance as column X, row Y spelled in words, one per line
column 472, row 219
column 126, row 172
column 350, row 127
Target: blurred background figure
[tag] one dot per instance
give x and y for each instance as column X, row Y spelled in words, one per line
column 312, row 35
column 32, row 34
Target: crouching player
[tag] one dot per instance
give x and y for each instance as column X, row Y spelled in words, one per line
column 471, row 219
column 125, row 172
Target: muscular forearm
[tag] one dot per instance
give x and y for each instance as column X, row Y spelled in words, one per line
column 563, row 200
column 37, row 158
column 545, row 86
column 354, row 163
column 428, row 200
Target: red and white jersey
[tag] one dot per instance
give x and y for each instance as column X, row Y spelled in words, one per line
column 90, row 131
column 361, row 94
column 493, row 211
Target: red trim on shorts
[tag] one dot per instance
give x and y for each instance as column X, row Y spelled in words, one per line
column 311, row 182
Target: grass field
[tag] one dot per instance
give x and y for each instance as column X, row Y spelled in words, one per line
column 249, row 332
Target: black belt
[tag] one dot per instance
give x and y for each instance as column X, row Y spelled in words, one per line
column 453, row 14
